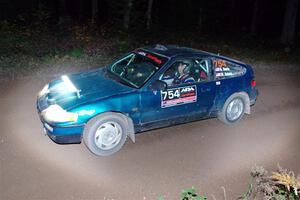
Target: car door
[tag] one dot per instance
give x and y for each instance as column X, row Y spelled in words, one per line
column 178, row 101
column 206, row 85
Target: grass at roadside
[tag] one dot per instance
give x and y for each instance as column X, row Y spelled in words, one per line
column 279, row 185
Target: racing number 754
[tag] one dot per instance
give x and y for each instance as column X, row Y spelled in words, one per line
column 170, row 94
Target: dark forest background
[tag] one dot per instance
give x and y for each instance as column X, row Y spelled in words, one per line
column 266, row 19
column 44, row 32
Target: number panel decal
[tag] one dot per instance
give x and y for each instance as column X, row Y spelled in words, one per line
column 178, row 96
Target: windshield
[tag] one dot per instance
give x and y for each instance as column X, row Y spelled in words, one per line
column 136, row 68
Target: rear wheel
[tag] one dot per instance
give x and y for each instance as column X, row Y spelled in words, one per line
column 105, row 134
column 233, row 109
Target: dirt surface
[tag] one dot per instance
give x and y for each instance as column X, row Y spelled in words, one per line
column 205, row 154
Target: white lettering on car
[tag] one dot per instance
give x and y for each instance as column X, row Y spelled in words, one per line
column 178, row 96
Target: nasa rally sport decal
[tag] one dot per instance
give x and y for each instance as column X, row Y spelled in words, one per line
column 178, row 96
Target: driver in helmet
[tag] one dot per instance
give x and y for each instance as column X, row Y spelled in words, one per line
column 183, row 74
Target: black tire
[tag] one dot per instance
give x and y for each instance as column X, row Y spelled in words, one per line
column 107, row 119
column 225, row 117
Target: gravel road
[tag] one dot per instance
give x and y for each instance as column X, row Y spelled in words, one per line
column 205, row 154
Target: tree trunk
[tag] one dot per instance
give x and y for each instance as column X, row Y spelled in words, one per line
column 199, row 8
column 233, row 14
column 40, row 5
column 94, row 9
column 200, row 19
column 62, row 7
column 64, row 19
column 81, row 14
column 126, row 20
column 289, row 23
column 254, row 18
column 149, row 14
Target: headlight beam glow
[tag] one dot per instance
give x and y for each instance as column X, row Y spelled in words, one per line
column 71, row 87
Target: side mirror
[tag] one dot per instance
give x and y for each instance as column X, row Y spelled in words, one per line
column 158, row 85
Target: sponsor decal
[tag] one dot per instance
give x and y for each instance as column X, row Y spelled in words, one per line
column 155, row 59
column 220, row 63
column 223, row 72
column 229, row 74
column 220, row 74
column 222, row 69
column 151, row 57
column 178, row 96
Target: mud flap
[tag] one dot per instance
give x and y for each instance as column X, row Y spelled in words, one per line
column 130, row 131
column 247, row 102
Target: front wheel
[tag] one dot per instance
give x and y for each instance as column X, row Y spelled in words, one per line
column 105, row 134
column 233, row 109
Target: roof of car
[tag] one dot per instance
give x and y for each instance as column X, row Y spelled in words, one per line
column 174, row 51
column 170, row 51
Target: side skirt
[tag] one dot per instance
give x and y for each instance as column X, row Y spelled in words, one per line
column 170, row 122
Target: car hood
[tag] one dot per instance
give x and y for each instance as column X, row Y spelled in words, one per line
column 87, row 87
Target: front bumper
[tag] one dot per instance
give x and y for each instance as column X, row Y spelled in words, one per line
column 60, row 134
column 64, row 135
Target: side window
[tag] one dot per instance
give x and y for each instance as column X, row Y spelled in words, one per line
column 180, row 72
column 186, row 71
column 201, row 69
column 225, row 69
column 119, row 66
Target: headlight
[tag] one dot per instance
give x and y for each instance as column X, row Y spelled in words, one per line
column 55, row 113
column 44, row 90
